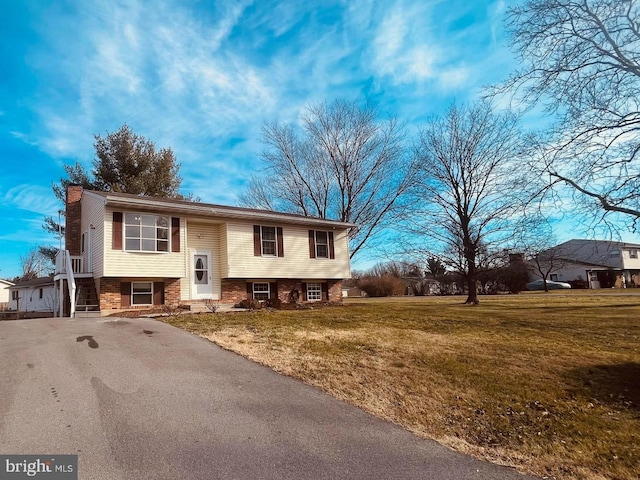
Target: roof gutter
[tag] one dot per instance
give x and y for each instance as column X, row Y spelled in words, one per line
column 221, row 212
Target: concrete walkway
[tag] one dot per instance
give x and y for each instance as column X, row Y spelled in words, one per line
column 139, row 399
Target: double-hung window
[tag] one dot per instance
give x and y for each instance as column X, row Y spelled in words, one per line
column 261, row 291
column 322, row 244
column 269, row 243
column 146, row 232
column 141, row 293
column 633, row 253
column 314, row 292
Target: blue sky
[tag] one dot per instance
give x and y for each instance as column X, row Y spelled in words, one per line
column 201, row 77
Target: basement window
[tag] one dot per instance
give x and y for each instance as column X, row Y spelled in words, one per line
column 314, row 292
column 261, row 291
column 141, row 293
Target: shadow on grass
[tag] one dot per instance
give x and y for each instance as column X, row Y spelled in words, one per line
column 571, row 308
column 616, row 385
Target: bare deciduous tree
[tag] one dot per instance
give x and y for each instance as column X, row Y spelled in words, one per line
column 466, row 188
column 345, row 165
column 581, row 59
column 34, row 264
column 537, row 242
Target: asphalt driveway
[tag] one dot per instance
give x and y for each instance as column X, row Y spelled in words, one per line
column 139, row 399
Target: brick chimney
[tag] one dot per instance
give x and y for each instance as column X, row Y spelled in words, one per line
column 72, row 229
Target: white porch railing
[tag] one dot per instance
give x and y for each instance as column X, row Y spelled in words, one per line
column 77, row 262
column 72, row 285
column 66, row 265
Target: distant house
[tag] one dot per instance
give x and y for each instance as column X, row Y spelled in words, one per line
column 352, row 292
column 599, row 263
column 4, row 293
column 129, row 251
column 37, row 295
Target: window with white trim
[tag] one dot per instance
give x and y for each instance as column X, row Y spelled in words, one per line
column 633, row 253
column 141, row 293
column 261, row 291
column 269, row 242
column 146, row 233
column 314, row 292
column 322, row 244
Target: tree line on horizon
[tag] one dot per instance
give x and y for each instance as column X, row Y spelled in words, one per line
column 472, row 184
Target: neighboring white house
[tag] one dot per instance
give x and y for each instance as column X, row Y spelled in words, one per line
column 597, row 262
column 4, row 293
column 36, row 295
column 130, row 251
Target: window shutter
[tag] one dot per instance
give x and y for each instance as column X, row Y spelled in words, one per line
column 175, row 234
column 280, row 242
column 312, row 244
column 125, row 293
column 257, row 246
column 116, row 231
column 304, row 292
column 158, row 293
column 273, row 290
column 249, row 290
column 332, row 251
column 325, row 292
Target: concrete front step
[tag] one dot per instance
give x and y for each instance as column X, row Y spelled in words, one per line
column 89, row 314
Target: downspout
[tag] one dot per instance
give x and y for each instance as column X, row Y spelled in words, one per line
column 89, row 267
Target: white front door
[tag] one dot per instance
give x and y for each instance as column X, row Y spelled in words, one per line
column 201, row 285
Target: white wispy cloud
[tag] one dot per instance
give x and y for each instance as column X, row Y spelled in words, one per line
column 31, row 198
column 191, row 82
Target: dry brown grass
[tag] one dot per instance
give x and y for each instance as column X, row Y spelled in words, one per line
column 549, row 383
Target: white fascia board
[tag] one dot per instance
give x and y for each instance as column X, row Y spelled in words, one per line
column 222, row 212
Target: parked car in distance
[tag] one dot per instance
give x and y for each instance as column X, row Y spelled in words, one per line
column 539, row 285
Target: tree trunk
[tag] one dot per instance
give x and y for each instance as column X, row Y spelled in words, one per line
column 472, row 297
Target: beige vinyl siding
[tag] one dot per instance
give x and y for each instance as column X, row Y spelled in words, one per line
column 120, row 263
column 203, row 236
column 224, row 252
column 628, row 262
column 93, row 213
column 296, row 262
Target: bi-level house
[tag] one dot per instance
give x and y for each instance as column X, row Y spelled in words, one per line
column 599, row 263
column 128, row 251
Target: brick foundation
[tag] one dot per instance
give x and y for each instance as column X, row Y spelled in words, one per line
column 286, row 286
column 172, row 291
column 335, row 291
column 109, row 293
column 234, row 291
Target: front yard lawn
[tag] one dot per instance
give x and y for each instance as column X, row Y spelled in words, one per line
column 549, row 383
